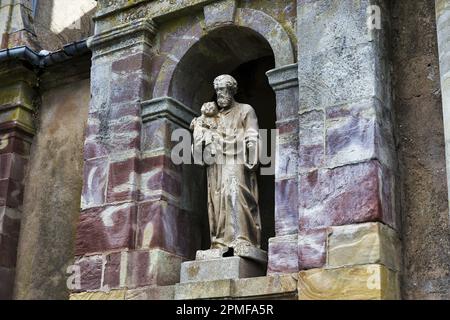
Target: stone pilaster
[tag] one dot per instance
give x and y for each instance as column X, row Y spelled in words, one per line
column 443, row 30
column 106, row 235
column 283, row 256
column 17, row 96
column 346, row 152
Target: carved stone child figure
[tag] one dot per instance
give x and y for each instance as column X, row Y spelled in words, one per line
column 204, row 127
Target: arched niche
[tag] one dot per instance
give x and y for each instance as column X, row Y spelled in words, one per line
column 256, row 50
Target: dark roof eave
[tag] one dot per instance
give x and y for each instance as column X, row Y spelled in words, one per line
column 69, row 51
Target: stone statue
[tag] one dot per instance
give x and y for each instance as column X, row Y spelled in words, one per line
column 230, row 130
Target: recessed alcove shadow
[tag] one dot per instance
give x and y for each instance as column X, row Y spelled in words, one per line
column 247, row 56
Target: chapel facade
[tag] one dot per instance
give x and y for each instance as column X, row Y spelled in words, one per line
column 92, row 205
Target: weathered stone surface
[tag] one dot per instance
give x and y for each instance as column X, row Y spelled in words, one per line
column 312, row 247
column 265, row 287
column 338, row 76
column 324, row 24
column 91, row 272
column 95, row 182
column 287, row 102
column 99, row 295
column 368, row 243
column 123, row 181
column 210, row 254
column 154, row 218
column 112, row 128
column 286, row 206
column 250, row 252
column 357, row 132
column 366, row 282
column 286, row 156
column 151, row 293
column 52, row 193
column 220, row 13
column 140, row 268
column 270, row 287
column 154, row 267
column 283, row 254
column 106, row 228
column 15, row 143
column 421, row 145
column 11, row 193
column 219, row 269
column 243, row 251
column 12, row 166
column 311, row 139
column 204, row 290
column 57, row 24
column 346, row 195
column 156, row 180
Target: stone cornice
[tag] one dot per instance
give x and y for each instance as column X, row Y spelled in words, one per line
column 168, row 108
column 284, row 77
column 142, row 26
column 153, row 8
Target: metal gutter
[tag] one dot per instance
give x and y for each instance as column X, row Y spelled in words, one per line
column 44, row 59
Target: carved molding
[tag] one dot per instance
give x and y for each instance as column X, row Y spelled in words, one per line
column 284, row 77
column 144, row 28
column 169, row 108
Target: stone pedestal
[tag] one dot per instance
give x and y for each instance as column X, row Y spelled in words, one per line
column 220, row 269
column 239, row 262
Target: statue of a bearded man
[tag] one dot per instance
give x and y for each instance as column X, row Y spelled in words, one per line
column 230, row 131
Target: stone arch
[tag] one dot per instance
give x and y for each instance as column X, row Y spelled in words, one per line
column 259, row 22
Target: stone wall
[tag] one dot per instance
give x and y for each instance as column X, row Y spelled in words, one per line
column 50, row 25
column 59, row 22
column 52, row 193
column 421, row 149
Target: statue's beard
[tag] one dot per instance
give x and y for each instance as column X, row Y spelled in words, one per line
column 224, row 102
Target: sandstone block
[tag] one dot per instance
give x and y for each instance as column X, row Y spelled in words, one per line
column 261, row 287
column 218, row 269
column 365, row 282
column 99, row 295
column 369, row 243
column 204, row 290
column 151, row 293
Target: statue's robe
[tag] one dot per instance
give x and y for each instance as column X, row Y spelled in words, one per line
column 232, row 187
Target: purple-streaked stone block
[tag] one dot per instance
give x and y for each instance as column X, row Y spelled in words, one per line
column 345, row 195
column 106, row 228
column 283, row 255
column 312, row 248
